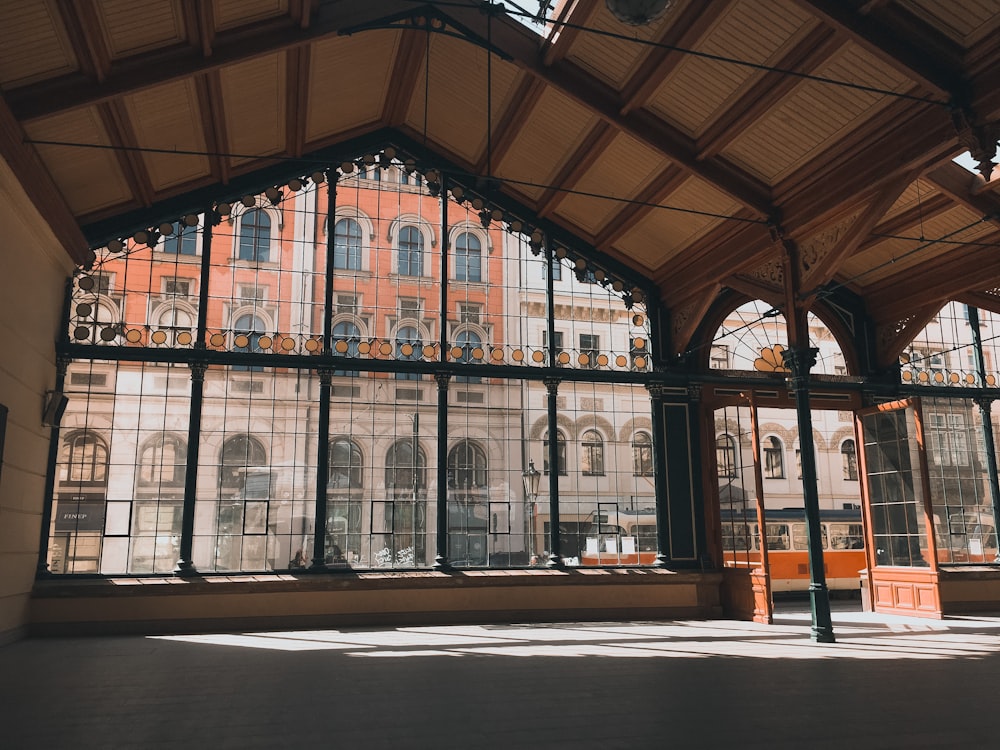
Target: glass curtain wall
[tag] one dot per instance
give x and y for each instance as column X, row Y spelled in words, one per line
column 420, row 313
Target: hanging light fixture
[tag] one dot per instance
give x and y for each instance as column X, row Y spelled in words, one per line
column 638, row 12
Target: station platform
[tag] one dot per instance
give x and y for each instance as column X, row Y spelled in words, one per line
column 888, row 682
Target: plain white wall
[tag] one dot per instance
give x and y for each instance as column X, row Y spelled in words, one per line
column 33, row 272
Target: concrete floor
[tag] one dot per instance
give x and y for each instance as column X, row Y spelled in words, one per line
column 889, row 682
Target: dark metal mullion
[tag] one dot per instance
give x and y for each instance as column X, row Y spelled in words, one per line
column 185, row 564
column 552, row 388
column 325, row 377
column 442, row 378
column 985, row 408
column 659, row 456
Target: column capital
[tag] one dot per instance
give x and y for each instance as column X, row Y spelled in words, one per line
column 198, row 371
column 325, row 375
column 655, row 391
column 552, row 385
column 799, row 360
column 442, row 379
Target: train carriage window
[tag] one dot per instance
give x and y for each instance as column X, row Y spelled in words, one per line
column 800, row 537
column 735, row 536
column 845, row 536
column 778, row 537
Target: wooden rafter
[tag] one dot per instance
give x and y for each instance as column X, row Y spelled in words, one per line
column 116, row 122
column 657, row 191
column 296, row 99
column 213, row 123
column 84, row 30
column 934, row 206
column 163, row 66
column 599, row 138
column 919, row 136
column 735, row 246
column 683, row 31
column 960, row 186
column 411, row 56
column 38, row 185
column 577, row 13
column 597, row 98
column 911, row 57
column 963, row 269
column 844, row 242
column 812, row 51
column 527, row 92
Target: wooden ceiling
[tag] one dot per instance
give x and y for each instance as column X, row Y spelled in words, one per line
column 700, row 150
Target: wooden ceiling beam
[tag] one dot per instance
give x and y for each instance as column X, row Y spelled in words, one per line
column 296, row 99
column 600, row 100
column 936, row 281
column 157, row 67
column 526, row 94
column 965, row 188
column 845, row 242
column 596, row 141
column 682, row 32
column 213, row 123
column 83, row 28
column 120, row 132
column 931, row 59
column 657, row 191
column 901, row 138
column 199, row 21
column 934, row 206
column 38, row 185
column 411, row 56
column 735, row 247
column 578, row 14
column 812, row 51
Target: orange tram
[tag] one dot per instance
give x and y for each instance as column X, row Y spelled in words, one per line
column 842, row 535
column 629, row 538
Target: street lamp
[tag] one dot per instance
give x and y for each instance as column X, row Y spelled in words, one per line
column 530, row 477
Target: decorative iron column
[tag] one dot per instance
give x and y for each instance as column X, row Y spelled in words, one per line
column 322, row 470
column 985, row 408
column 799, row 360
column 555, row 557
column 660, row 476
column 441, row 559
column 185, row 565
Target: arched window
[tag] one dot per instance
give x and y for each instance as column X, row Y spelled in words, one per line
column 411, row 252
column 849, row 458
column 238, row 453
column 725, row 456
column 468, row 258
column 85, row 459
column 346, row 465
column 255, row 236
column 347, row 245
column 162, row 462
column 253, row 328
column 560, row 453
column 466, row 466
column 467, row 341
column 592, row 455
column 408, row 347
column 350, row 334
column 183, row 241
column 774, row 458
column 642, row 455
column 404, row 476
